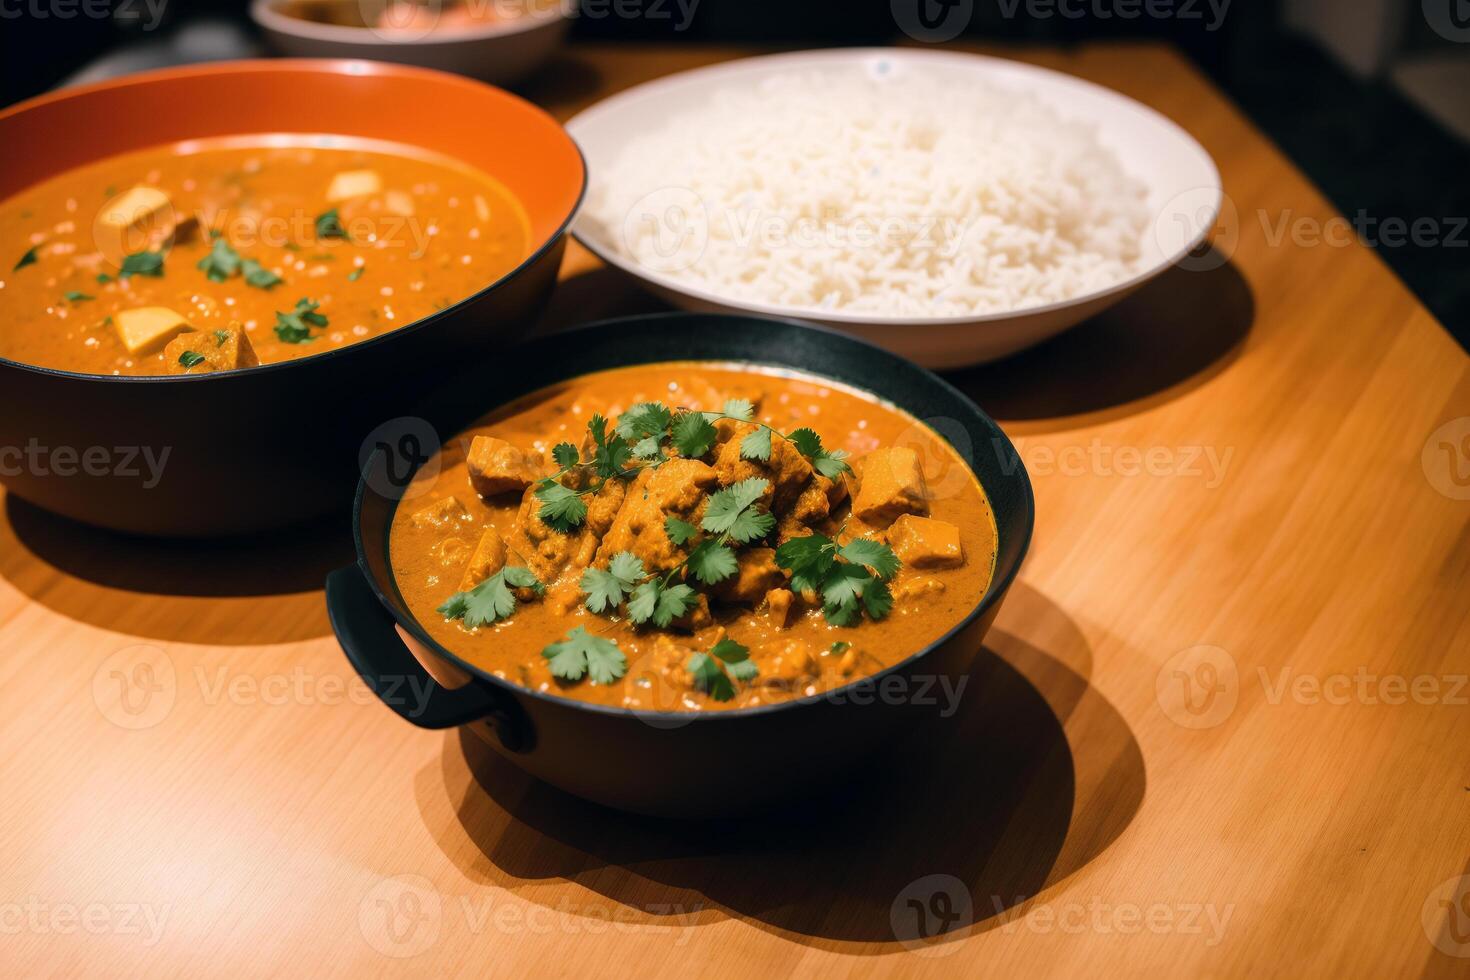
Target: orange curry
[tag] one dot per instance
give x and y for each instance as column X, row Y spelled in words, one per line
column 691, row 536
column 219, row 254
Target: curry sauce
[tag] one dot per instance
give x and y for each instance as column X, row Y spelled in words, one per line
column 725, row 461
column 223, row 253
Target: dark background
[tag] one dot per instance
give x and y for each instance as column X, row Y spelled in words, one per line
column 1351, row 128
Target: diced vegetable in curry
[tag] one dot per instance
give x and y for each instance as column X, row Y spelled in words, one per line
column 692, row 536
column 293, row 246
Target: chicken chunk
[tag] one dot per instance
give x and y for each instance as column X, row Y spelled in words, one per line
column 787, row 470
column 441, row 513
column 207, row 351
column 489, row 558
column 758, row 574
column 779, row 604
column 923, row 542
column 892, row 484
column 675, row 489
column 549, row 553
column 787, row 664
column 497, row 467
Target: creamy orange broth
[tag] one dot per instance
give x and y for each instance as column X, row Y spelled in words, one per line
column 429, row 558
column 431, row 232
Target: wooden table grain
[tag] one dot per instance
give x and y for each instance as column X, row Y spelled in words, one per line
column 1219, row 729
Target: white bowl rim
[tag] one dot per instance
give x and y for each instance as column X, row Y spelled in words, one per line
column 265, row 14
column 738, row 66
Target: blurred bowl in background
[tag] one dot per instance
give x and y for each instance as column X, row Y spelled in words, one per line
column 497, row 41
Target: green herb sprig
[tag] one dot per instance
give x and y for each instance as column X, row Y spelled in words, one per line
column 850, row 578
column 717, row 671
column 492, row 600
column 295, row 327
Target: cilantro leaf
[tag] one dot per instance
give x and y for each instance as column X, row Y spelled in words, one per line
column 103, row 278
column 258, row 275
column 142, row 264
column 565, row 454
column 874, row 554
column 648, row 448
column 643, row 421
column 679, row 532
column 582, row 654
column 220, row 336
column 725, row 507
column 712, row 671
column 694, row 436
column 221, row 263
column 828, row 463
column 662, row 604
column 561, row 509
column 712, row 562
column 76, row 296
column 189, row 359
column 27, row 259
column 611, row 456
column 877, row 599
column 757, row 445
column 708, row 677
column 356, row 274
column 295, row 327
column 740, row 408
column 808, row 560
column 605, row 589
column 329, row 225
column 492, row 599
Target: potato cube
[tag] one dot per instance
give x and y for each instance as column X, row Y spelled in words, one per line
column 147, row 329
column 441, row 513
column 207, row 351
column 137, row 220
column 489, row 558
column 497, row 467
column 922, row 542
column 353, row 183
column 893, row 484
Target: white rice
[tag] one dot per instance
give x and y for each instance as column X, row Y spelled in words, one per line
column 904, row 196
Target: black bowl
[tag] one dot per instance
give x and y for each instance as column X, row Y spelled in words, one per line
column 659, row 762
column 235, row 453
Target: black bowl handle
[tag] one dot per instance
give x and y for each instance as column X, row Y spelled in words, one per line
column 365, row 630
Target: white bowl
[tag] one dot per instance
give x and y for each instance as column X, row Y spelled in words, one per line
column 500, row 52
column 1184, row 192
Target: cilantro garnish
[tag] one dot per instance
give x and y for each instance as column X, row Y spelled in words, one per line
column 189, row 358
column 829, row 463
column 329, row 225
column 220, row 336
column 295, row 327
column 142, row 264
column 606, row 589
column 258, row 275
column 27, row 259
column 492, row 599
column 693, row 435
column 356, row 274
column 716, row 672
column 582, row 654
column 76, row 296
column 730, row 512
column 103, row 279
column 850, row 578
column 679, row 531
column 222, row 262
column 650, row 597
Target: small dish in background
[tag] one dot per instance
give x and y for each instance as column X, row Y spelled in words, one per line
column 497, row 41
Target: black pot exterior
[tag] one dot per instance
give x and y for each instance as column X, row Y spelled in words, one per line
column 669, row 763
column 236, row 453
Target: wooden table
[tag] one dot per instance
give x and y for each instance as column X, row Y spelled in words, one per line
column 1220, row 729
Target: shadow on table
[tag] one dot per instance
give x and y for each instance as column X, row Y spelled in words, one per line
column 1032, row 778
column 262, row 589
column 1168, row 338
